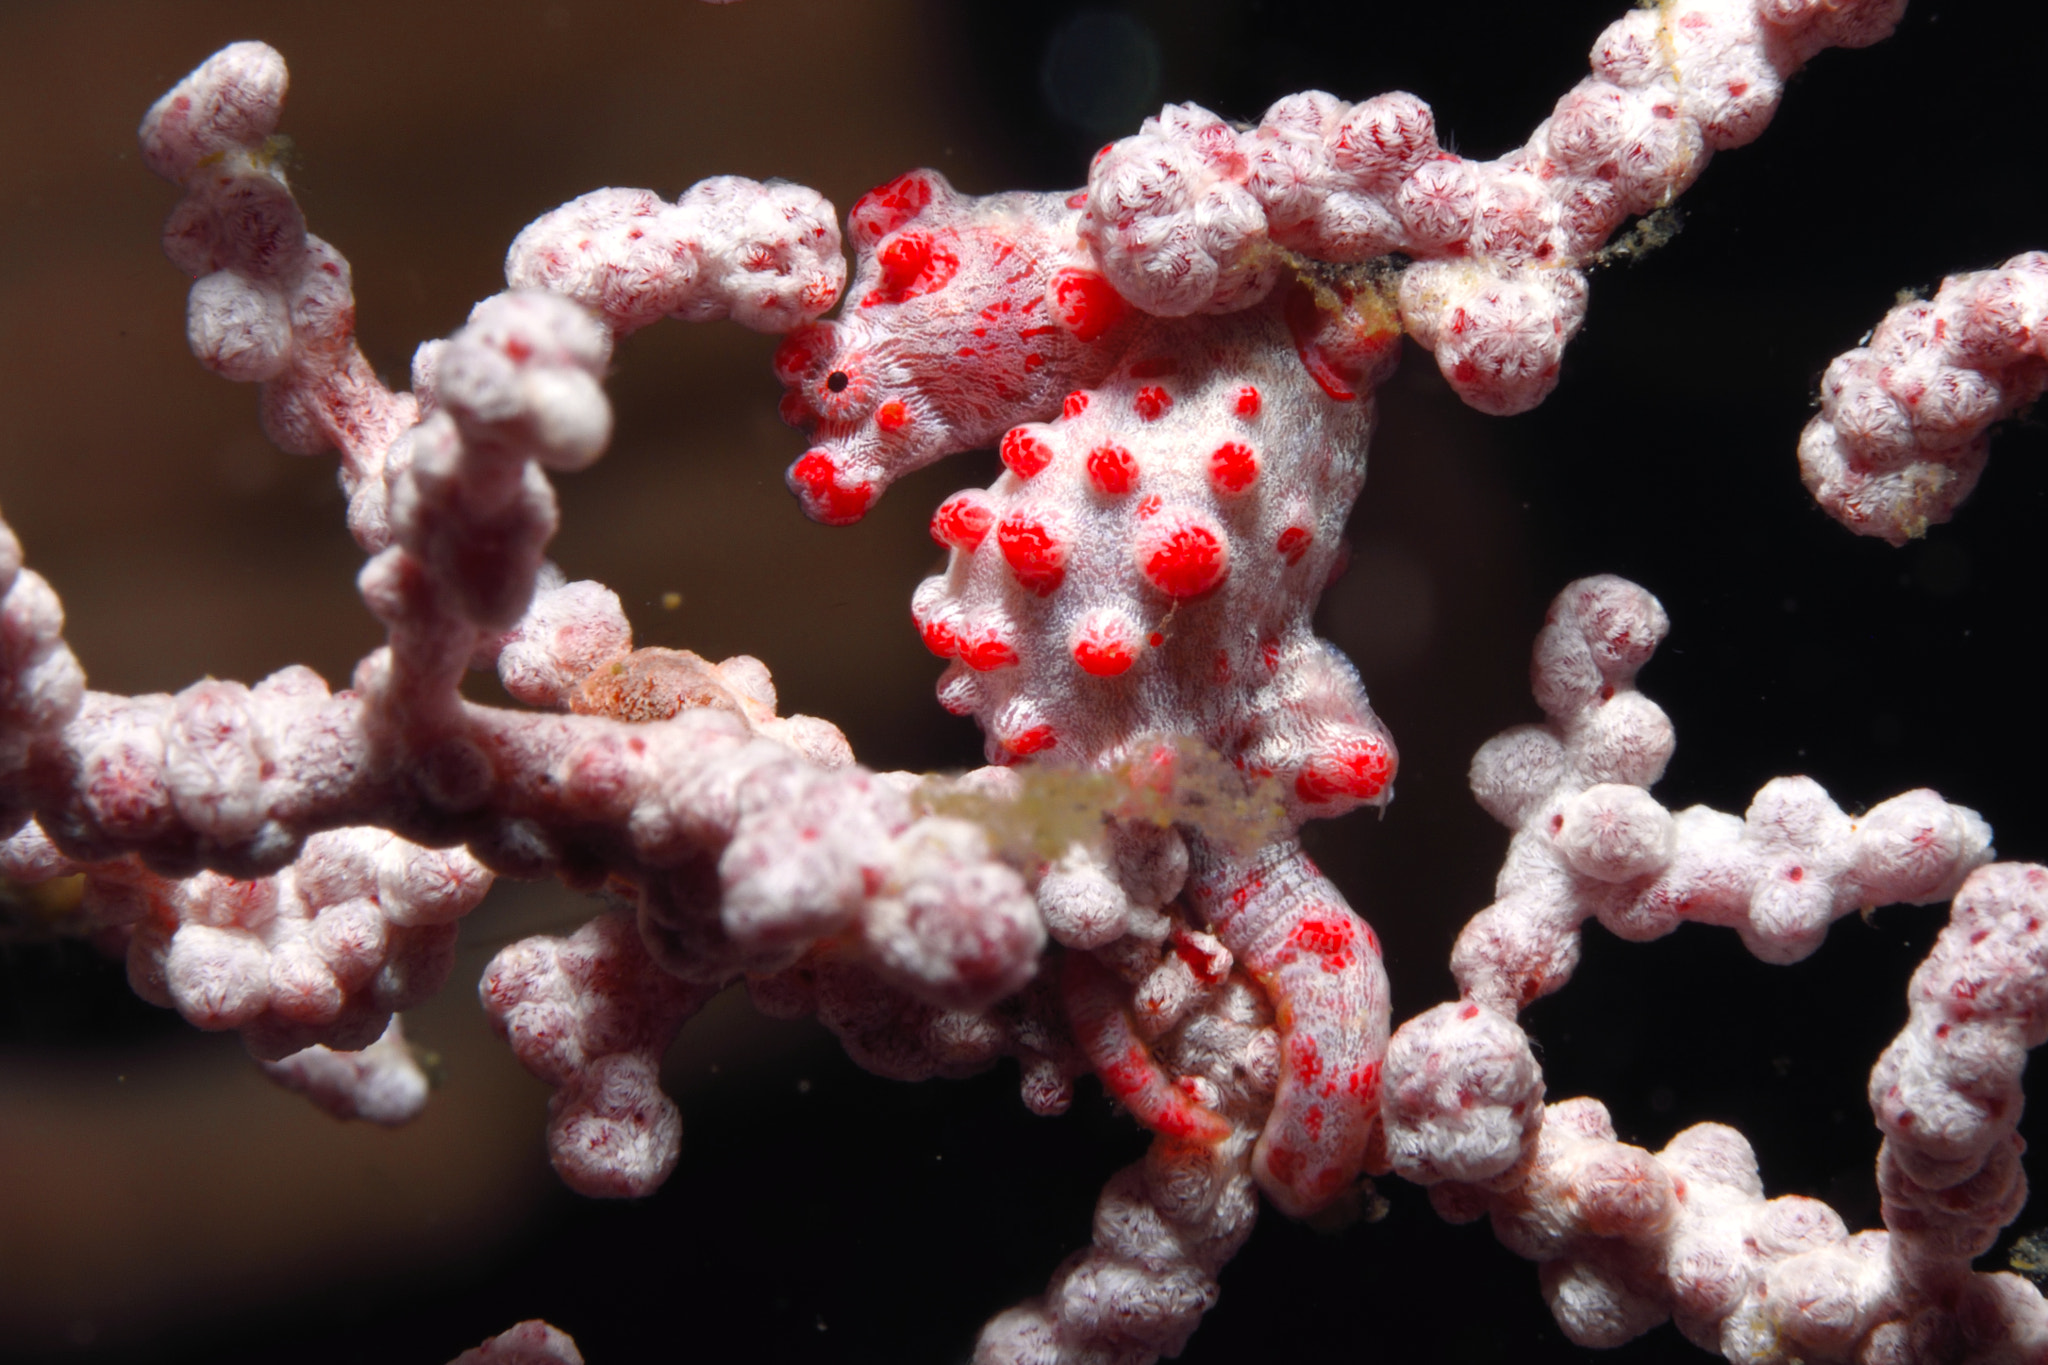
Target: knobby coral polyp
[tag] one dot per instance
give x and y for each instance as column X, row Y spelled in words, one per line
column 1177, row 365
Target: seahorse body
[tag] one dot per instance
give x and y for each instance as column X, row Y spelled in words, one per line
column 1146, row 567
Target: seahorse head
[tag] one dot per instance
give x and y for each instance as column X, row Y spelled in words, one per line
column 967, row 316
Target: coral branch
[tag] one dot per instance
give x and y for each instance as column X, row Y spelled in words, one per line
column 738, row 850
column 1628, row 1238
column 766, row 256
column 41, row 684
column 382, row 1084
column 1165, row 1226
column 359, row 925
column 529, row 1343
column 1194, row 216
column 1905, row 419
column 271, row 304
column 592, row 1015
column 1591, row 842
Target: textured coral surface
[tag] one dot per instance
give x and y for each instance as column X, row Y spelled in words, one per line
column 1866, row 744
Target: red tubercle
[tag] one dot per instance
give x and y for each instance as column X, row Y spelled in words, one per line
column 816, row 481
column 1359, row 767
column 892, row 416
column 1025, row 453
column 902, row 260
column 1112, row 470
column 1085, row 303
column 1035, row 554
column 1182, row 556
column 1076, row 403
column 1233, row 467
column 1035, row 740
column 1293, row 543
column 962, row 521
column 1152, row 403
column 885, row 208
column 1148, row 507
column 939, row 637
column 799, row 350
column 1104, row 659
column 1269, row 655
column 1246, row 402
column 912, row 264
column 985, row 650
column 1102, row 645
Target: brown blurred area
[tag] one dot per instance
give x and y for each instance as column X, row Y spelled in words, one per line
column 157, row 1198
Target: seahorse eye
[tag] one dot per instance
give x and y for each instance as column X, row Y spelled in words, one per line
column 841, row 389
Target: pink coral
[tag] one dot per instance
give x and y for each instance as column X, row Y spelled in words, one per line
column 913, row 986
column 529, row 1343
column 1905, row 420
column 1627, row 1238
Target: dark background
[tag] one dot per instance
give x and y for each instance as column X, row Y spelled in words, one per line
column 158, row 1201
